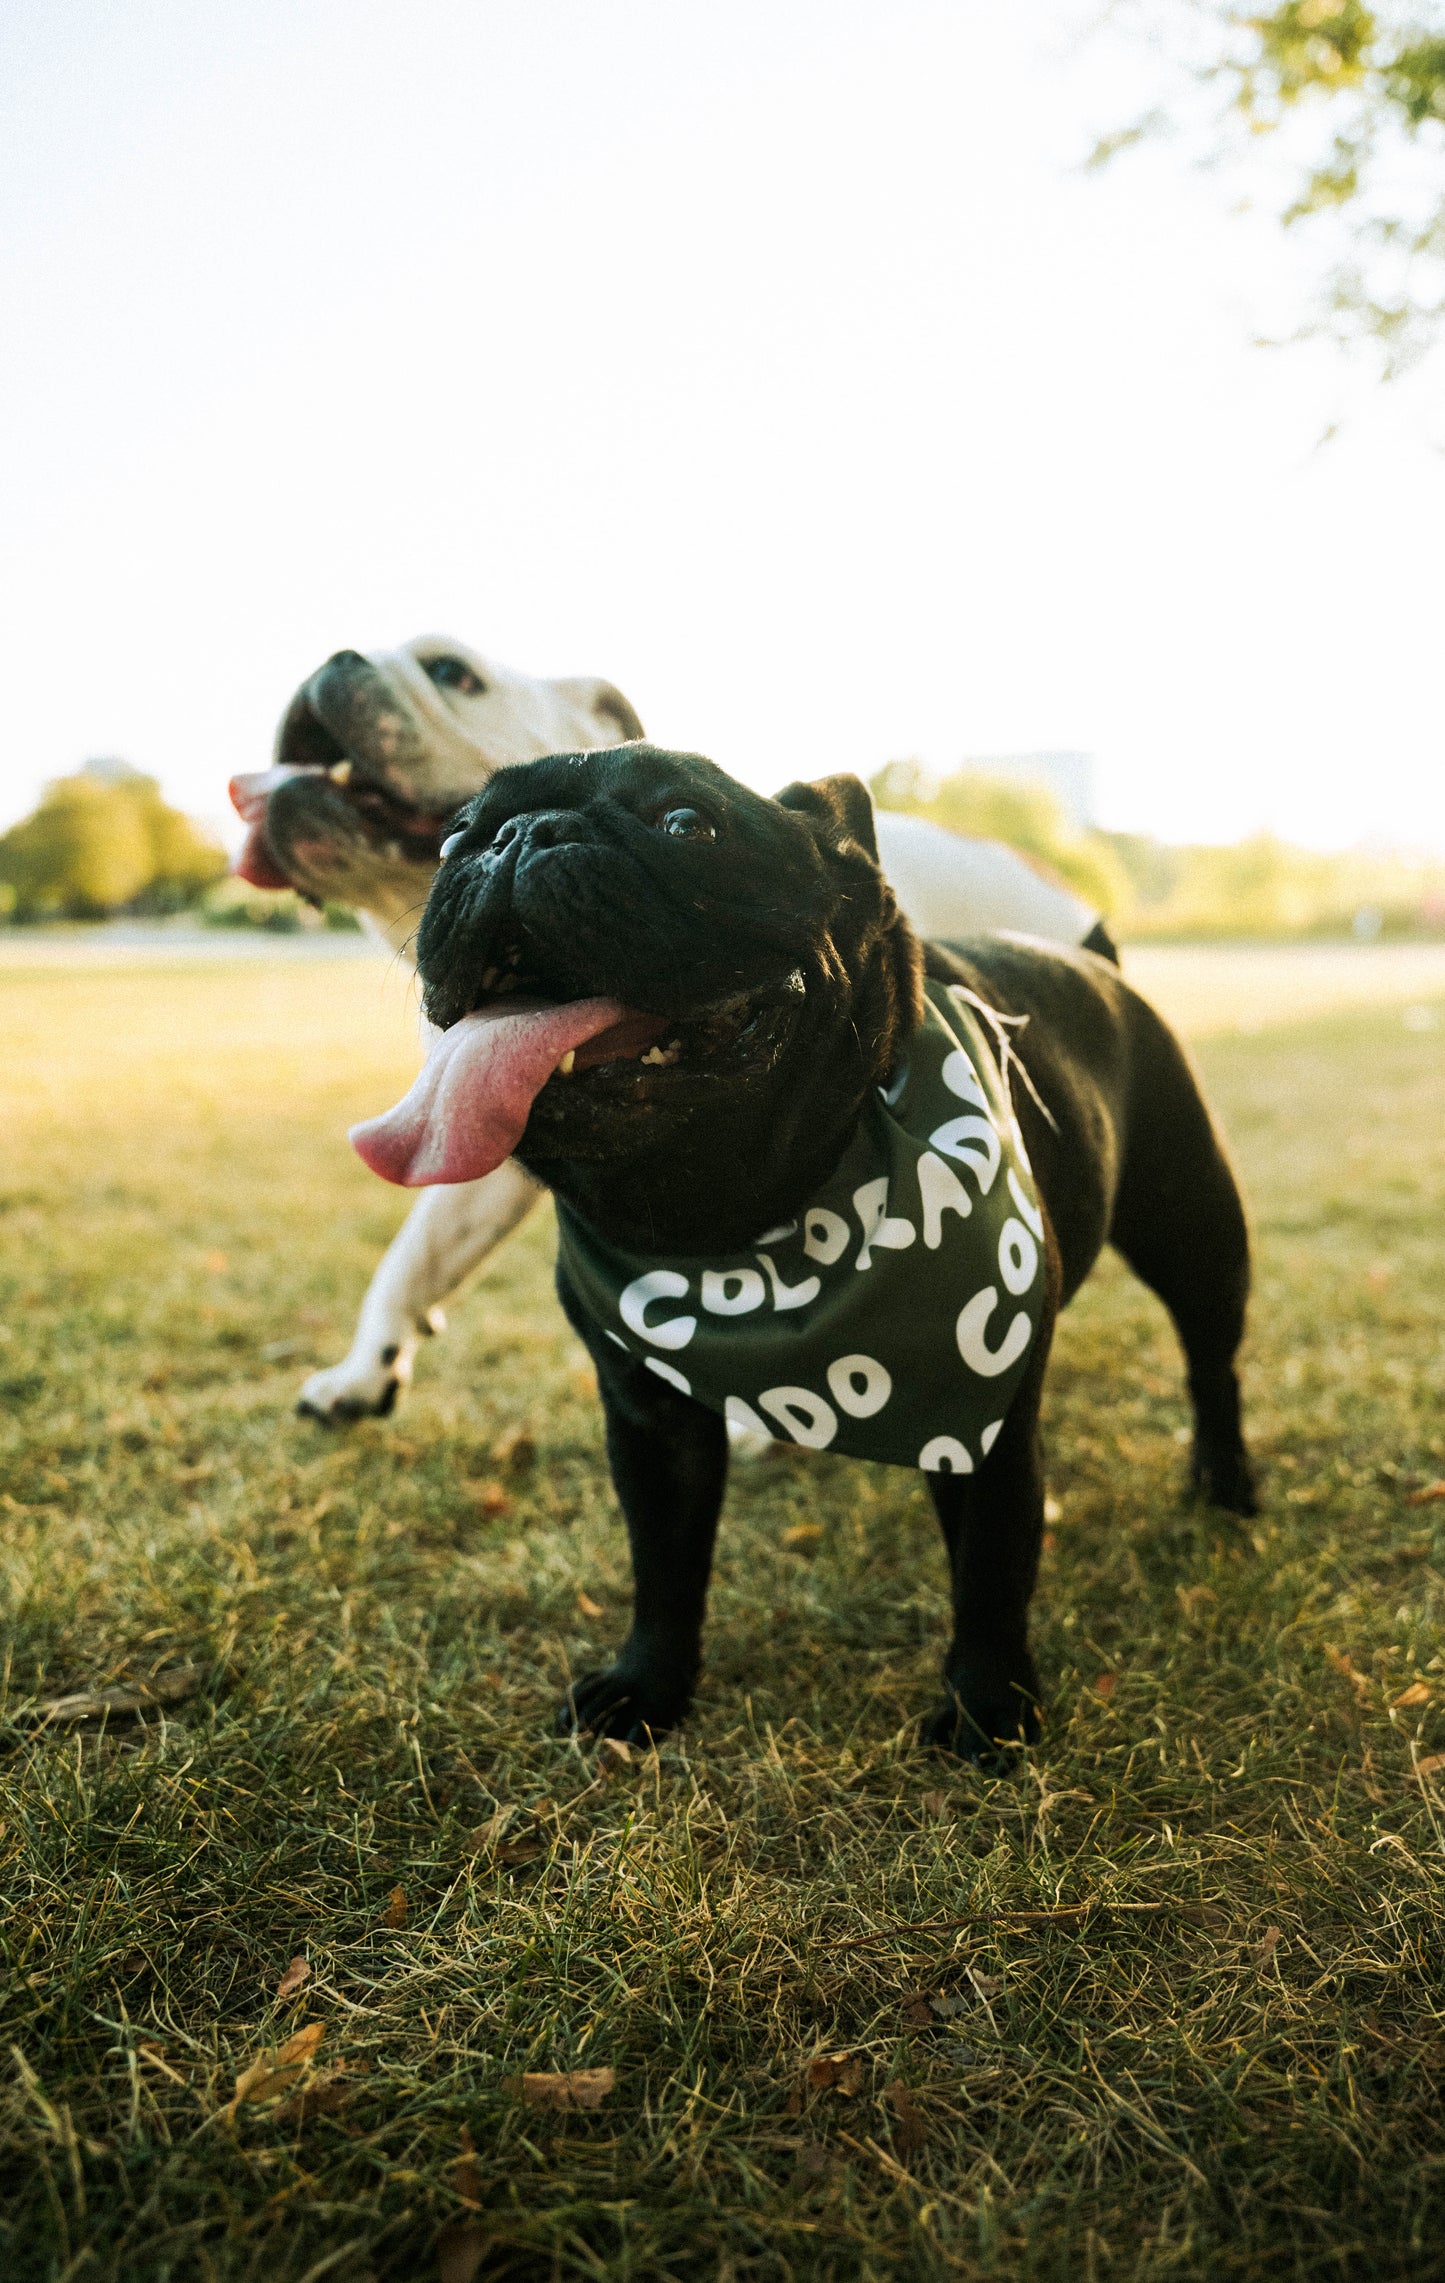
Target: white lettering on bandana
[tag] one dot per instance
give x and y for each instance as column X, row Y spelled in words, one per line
column 893, row 1319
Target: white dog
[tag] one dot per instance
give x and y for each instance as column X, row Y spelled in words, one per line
column 374, row 756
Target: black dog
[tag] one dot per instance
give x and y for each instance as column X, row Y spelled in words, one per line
column 679, row 1003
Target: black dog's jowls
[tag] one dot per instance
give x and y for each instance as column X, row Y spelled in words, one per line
column 792, row 985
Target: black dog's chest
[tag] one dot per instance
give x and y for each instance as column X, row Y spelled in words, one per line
column 893, row 1319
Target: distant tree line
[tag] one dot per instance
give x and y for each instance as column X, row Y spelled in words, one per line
column 103, row 842
column 1151, row 889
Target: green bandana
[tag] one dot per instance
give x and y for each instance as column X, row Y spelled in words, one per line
column 894, row 1319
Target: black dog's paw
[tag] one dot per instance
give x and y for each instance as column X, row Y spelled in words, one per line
column 1225, row 1478
column 620, row 1703
column 983, row 1729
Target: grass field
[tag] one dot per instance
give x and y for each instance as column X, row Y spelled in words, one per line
column 1169, row 2001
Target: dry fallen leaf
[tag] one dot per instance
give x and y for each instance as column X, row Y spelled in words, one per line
column 488, row 1839
column 487, row 1834
column 490, row 1496
column 563, row 2089
column 322, row 2098
column 525, row 1850
column 801, row 1537
column 934, row 1803
column 461, row 2247
column 297, row 1972
column 1429, row 1766
column 516, row 1448
column 1194, row 1599
column 918, row 2013
column 395, row 1913
column 589, row 1607
column 1343, row 1664
column 93, row 1704
column 1416, row 1693
column 276, row 2068
column 466, row 2176
column 1106, row 1684
column 910, row 2133
column 1427, row 1496
column 836, row 2073
column 1264, row 1950
column 612, row 1752
column 793, row 2105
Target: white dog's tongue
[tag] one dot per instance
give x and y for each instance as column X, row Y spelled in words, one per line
column 249, row 796
column 471, row 1102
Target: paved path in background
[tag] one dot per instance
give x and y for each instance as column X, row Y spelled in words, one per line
column 1205, row 989
column 133, row 943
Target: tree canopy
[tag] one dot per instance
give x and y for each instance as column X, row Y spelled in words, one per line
column 104, row 841
column 1354, row 97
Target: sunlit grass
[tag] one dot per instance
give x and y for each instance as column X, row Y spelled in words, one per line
column 1231, row 2062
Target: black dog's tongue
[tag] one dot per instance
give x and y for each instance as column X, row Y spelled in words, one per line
column 470, row 1104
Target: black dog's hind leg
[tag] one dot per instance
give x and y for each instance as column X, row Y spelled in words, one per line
column 993, row 1525
column 1179, row 1223
column 669, row 1459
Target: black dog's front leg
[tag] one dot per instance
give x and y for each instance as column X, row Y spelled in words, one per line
column 669, row 1460
column 993, row 1524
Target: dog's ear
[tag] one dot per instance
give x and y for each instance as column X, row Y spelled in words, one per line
column 605, row 702
column 844, row 804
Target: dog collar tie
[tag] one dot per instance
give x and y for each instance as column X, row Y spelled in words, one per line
column 893, row 1319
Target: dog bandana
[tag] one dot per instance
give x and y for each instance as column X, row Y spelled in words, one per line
column 893, row 1319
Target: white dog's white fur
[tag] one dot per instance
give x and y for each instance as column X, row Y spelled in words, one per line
column 454, row 737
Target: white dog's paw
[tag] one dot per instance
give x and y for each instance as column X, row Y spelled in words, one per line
column 369, row 1382
column 363, row 1386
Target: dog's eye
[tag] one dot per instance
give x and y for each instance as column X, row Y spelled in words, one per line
column 454, row 674
column 688, row 824
column 453, row 840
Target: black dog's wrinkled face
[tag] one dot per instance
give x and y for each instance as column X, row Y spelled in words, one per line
column 750, row 937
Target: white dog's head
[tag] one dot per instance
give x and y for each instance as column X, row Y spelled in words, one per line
column 376, row 753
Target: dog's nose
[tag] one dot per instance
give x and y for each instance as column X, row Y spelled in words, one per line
column 535, row 829
column 345, row 658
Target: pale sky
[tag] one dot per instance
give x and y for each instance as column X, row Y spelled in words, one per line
column 773, row 358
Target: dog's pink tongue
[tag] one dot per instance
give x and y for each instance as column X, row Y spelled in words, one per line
column 249, row 795
column 469, row 1106
column 256, row 863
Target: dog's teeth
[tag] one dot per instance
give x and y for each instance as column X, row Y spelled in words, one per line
column 567, row 1061
column 340, row 774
